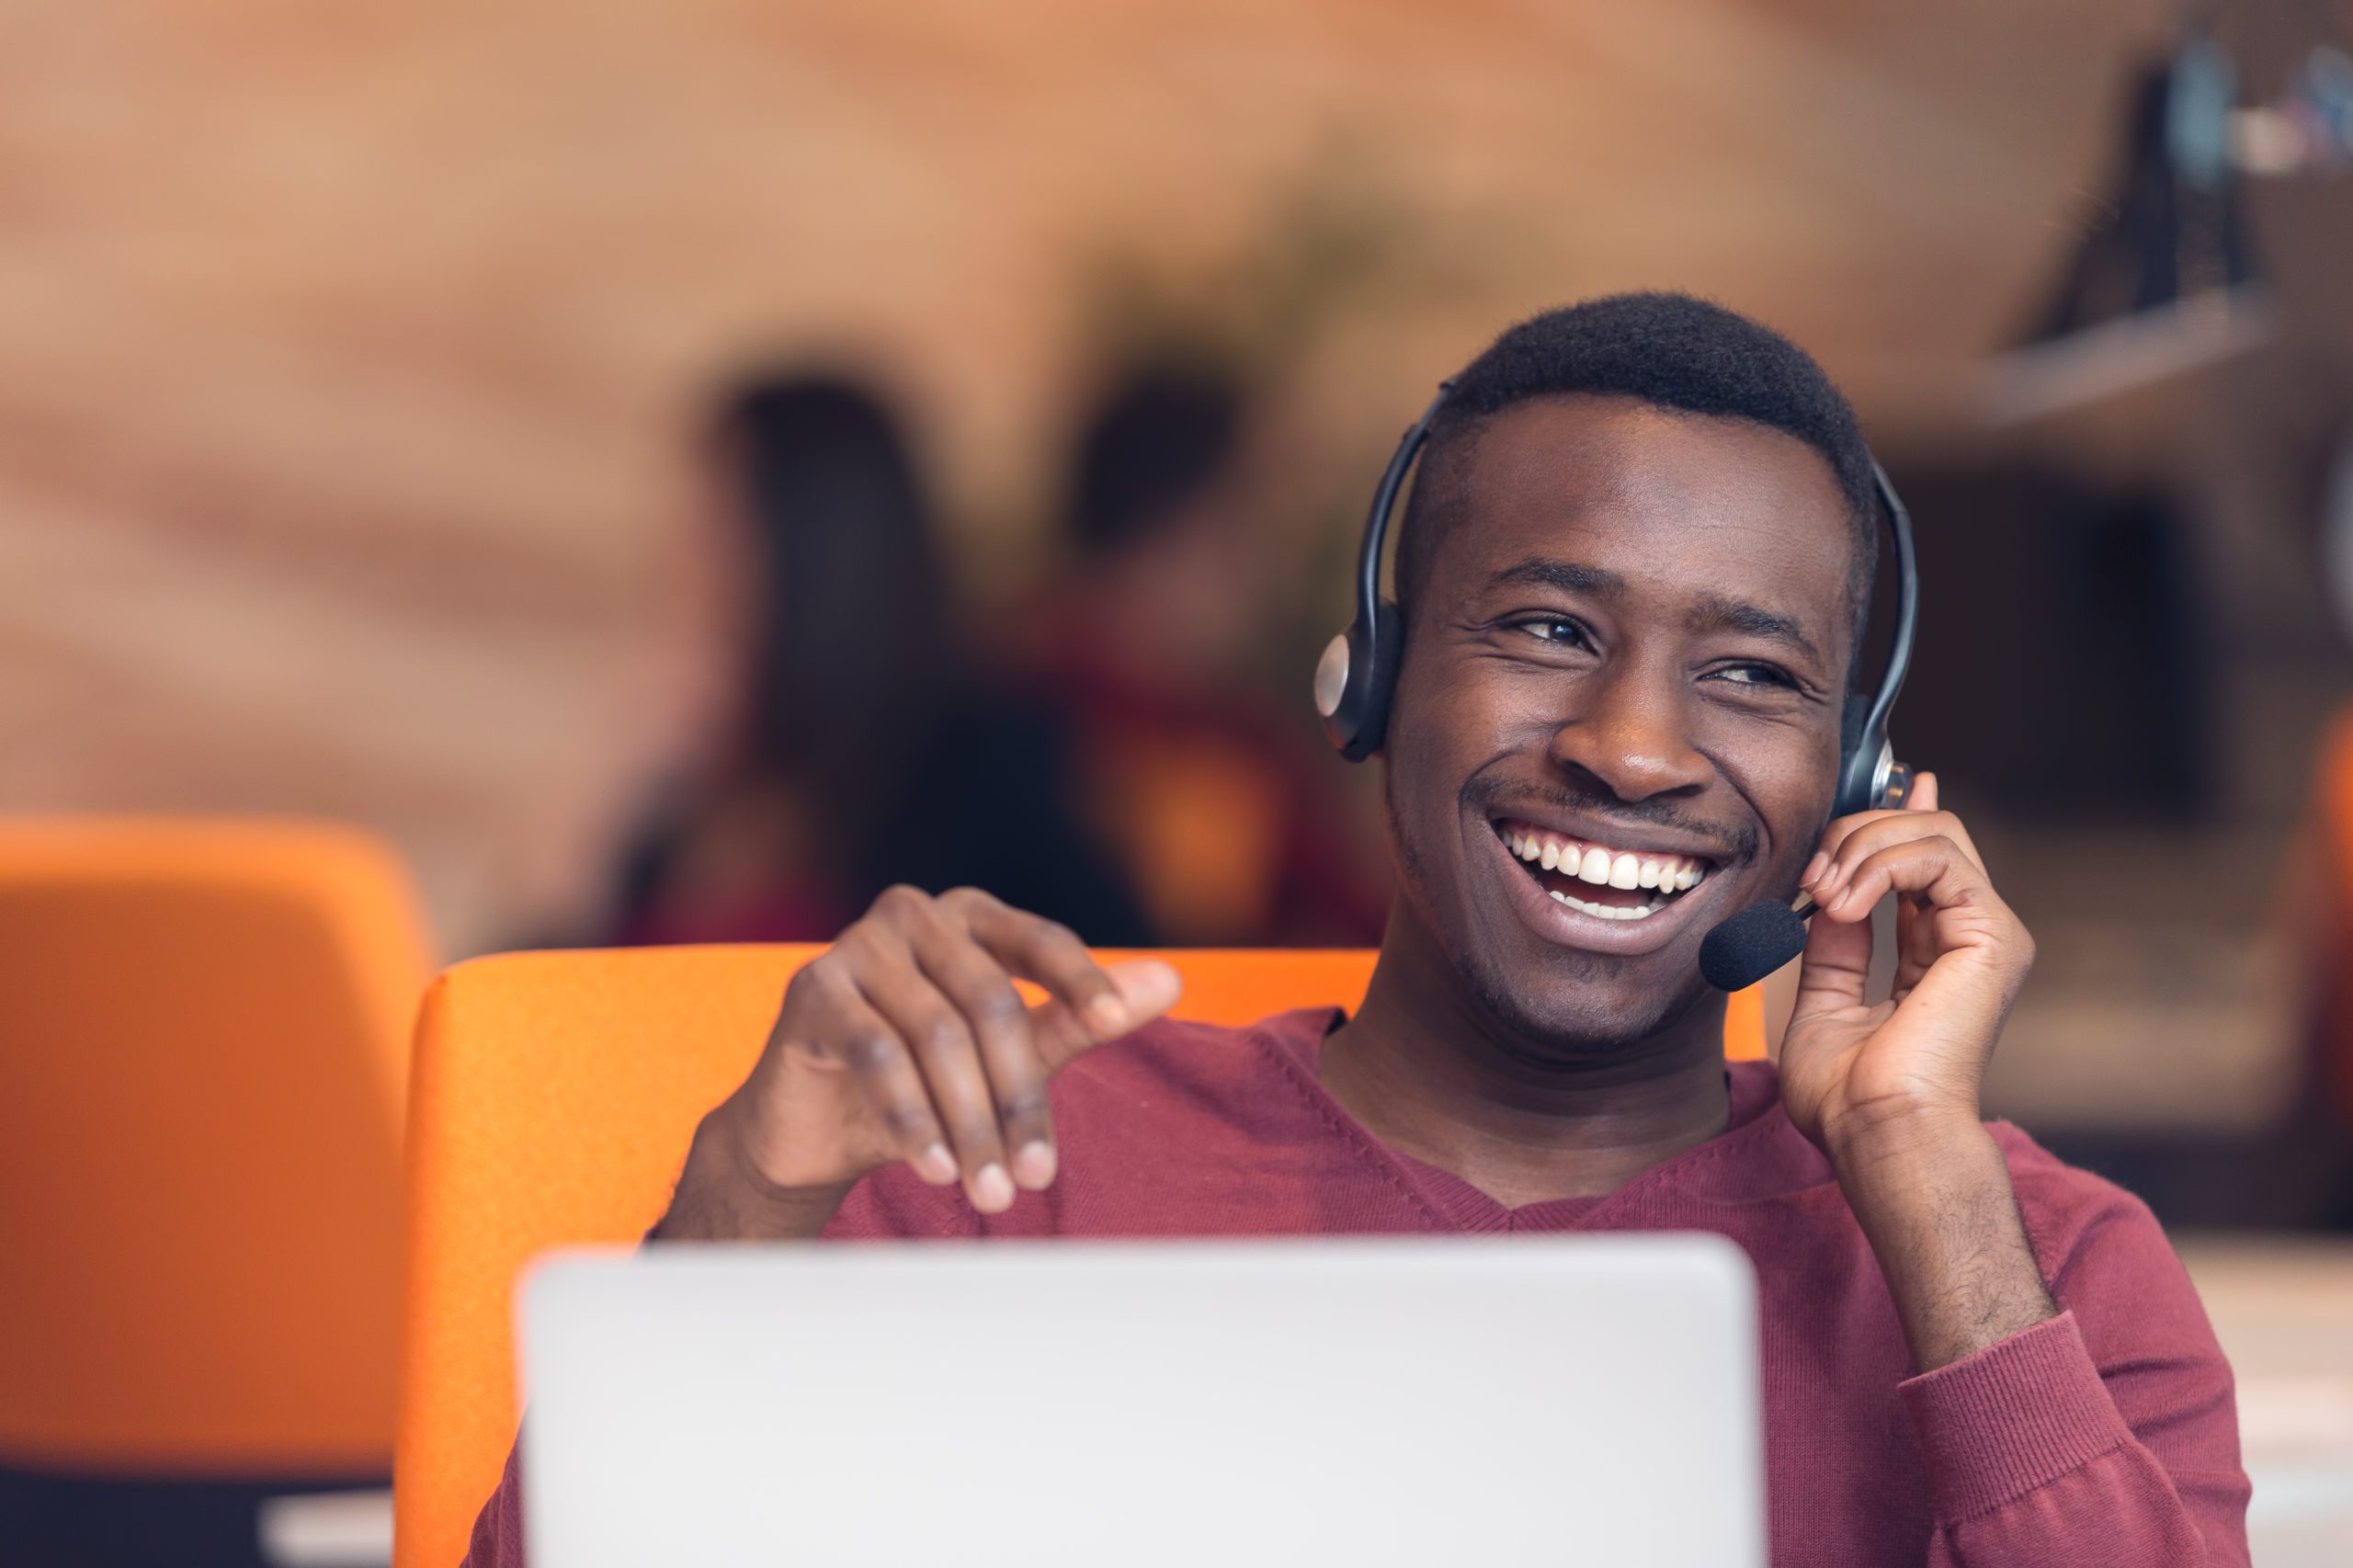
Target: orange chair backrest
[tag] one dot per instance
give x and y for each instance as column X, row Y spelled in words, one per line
column 554, row 1098
column 203, row 1058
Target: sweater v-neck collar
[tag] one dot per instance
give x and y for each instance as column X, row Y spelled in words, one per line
column 1759, row 1154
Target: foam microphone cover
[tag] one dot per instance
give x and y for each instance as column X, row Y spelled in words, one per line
column 1751, row 944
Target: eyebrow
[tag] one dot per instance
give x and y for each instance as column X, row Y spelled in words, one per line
column 1717, row 613
column 1569, row 576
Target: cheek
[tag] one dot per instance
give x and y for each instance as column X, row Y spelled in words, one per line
column 1440, row 731
column 1791, row 788
column 1433, row 745
column 1466, row 710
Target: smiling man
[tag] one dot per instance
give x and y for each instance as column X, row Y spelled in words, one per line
column 1634, row 577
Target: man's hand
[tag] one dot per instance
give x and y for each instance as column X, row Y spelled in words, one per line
column 1961, row 957
column 907, row 1040
column 1890, row 1092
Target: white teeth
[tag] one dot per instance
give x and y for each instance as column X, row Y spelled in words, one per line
column 1611, row 911
column 1669, row 874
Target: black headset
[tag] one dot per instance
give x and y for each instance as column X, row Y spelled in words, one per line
column 1359, row 669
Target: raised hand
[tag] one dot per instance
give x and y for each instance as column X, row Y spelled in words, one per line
column 1961, row 955
column 907, row 1040
column 1890, row 1091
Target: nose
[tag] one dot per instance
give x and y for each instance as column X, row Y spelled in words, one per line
column 1632, row 738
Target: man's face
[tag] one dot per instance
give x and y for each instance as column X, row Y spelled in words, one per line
column 1632, row 642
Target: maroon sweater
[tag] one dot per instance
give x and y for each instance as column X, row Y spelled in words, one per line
column 2105, row 1435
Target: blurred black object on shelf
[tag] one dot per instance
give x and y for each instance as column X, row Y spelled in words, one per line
column 2170, row 227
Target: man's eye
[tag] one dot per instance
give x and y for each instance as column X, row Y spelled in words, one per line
column 1753, row 675
column 1554, row 630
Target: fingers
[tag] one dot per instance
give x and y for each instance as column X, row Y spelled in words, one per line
column 936, row 1033
column 1849, row 842
column 1961, row 940
column 1936, row 874
column 1847, row 839
column 1089, row 1004
column 854, row 1038
column 1051, row 955
column 955, row 1064
column 1944, row 902
column 982, row 992
column 1147, row 987
column 1915, row 944
column 1837, row 966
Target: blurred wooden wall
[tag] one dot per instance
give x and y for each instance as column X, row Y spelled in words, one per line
column 347, row 350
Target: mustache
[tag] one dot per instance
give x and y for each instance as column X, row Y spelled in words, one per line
column 1495, row 797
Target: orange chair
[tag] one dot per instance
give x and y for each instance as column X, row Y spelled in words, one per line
column 554, row 1098
column 201, row 1091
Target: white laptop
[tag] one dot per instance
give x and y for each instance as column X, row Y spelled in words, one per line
column 1175, row 1404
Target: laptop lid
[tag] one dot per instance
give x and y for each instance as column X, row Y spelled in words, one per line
column 1147, row 1406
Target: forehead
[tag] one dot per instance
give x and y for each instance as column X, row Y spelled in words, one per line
column 1678, row 502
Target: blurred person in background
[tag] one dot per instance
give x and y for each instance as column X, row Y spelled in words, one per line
column 864, row 750
column 1220, row 814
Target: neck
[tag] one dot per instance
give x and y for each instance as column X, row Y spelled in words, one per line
column 1429, row 1076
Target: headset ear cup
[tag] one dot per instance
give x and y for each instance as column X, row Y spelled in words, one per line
column 1353, row 681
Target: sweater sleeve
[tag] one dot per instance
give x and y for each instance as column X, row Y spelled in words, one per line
column 2104, row 1437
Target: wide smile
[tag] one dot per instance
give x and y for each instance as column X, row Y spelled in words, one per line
column 1583, row 892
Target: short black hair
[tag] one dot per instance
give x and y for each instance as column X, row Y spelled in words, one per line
column 1671, row 350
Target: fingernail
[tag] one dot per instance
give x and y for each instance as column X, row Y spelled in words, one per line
column 992, row 1190
column 1814, row 868
column 1033, row 1167
column 1107, row 1013
column 936, row 1166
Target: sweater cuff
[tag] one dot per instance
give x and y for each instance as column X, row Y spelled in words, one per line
column 2017, row 1414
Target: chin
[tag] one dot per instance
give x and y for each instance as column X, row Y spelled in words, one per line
column 1567, row 1020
